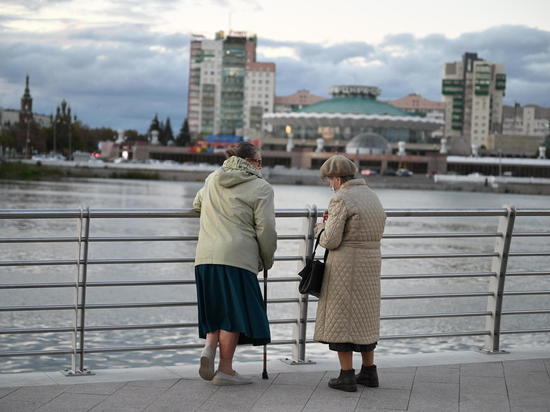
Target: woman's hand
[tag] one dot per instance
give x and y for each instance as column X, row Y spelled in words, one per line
column 325, row 216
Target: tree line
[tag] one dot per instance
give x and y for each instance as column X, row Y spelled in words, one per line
column 166, row 135
column 66, row 137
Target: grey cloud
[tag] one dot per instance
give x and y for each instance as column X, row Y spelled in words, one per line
column 7, row 17
column 250, row 4
column 139, row 10
column 317, row 52
column 137, row 34
column 434, row 42
column 401, row 39
column 34, row 4
column 31, row 19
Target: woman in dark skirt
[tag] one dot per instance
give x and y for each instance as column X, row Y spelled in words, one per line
column 237, row 239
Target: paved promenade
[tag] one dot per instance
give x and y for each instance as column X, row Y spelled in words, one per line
column 502, row 384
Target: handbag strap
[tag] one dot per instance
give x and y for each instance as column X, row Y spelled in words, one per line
column 317, row 241
column 317, row 244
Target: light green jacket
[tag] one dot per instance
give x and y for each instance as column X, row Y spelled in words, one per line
column 237, row 223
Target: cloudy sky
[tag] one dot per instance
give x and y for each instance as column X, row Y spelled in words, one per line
column 120, row 62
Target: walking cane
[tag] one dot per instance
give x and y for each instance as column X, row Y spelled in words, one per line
column 264, row 372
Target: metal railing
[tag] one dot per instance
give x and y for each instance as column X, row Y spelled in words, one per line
column 494, row 295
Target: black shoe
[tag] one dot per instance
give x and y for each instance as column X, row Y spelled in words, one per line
column 368, row 376
column 344, row 382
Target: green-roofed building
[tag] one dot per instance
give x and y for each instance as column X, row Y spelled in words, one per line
column 354, row 105
column 351, row 110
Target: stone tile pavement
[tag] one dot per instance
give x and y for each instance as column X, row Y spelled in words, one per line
column 500, row 385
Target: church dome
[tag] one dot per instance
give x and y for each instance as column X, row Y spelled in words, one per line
column 368, row 143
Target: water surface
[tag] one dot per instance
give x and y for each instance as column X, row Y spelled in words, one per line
column 124, row 194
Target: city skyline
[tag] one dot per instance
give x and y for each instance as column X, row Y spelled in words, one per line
column 117, row 68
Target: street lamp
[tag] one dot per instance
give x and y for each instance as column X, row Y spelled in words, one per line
column 290, row 143
column 70, row 140
column 53, row 121
column 28, row 141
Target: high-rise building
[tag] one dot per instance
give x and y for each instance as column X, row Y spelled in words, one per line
column 228, row 89
column 473, row 90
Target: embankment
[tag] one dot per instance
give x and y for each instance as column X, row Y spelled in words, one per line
column 29, row 170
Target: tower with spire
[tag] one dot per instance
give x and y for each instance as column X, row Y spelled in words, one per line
column 25, row 113
column 62, row 123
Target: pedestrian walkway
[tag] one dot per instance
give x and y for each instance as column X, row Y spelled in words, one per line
column 498, row 385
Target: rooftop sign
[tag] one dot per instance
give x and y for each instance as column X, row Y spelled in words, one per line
column 349, row 91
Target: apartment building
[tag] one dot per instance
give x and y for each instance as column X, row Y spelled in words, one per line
column 473, row 90
column 259, row 93
column 228, row 89
column 529, row 120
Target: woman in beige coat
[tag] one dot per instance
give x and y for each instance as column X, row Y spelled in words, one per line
column 348, row 312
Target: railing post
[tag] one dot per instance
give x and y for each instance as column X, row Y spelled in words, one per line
column 74, row 344
column 496, row 284
column 300, row 328
column 81, row 283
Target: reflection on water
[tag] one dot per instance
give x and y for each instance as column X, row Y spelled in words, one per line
column 105, row 194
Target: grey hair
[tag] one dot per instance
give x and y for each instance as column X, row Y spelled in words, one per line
column 347, row 178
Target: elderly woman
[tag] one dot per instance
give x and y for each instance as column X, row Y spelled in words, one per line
column 348, row 312
column 237, row 239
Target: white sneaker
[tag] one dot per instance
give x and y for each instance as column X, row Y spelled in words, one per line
column 206, row 370
column 224, row 379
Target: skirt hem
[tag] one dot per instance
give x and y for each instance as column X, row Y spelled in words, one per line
column 229, row 298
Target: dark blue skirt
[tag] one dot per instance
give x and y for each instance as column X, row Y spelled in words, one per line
column 229, row 298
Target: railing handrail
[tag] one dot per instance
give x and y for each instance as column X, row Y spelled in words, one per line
column 492, row 331
column 181, row 213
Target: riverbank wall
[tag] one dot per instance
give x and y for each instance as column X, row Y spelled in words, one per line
column 33, row 170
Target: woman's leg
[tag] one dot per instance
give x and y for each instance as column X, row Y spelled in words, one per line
column 346, row 381
column 346, row 360
column 208, row 354
column 368, row 375
column 228, row 342
column 212, row 339
column 368, row 358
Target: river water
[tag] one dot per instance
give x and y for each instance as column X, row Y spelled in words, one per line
column 126, row 194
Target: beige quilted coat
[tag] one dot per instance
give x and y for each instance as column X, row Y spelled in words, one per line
column 349, row 306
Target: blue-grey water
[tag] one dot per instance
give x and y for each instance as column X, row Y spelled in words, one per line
column 124, row 194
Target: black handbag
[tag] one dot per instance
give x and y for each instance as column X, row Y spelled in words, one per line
column 312, row 273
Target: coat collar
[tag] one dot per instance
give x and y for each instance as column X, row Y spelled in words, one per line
column 353, row 182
